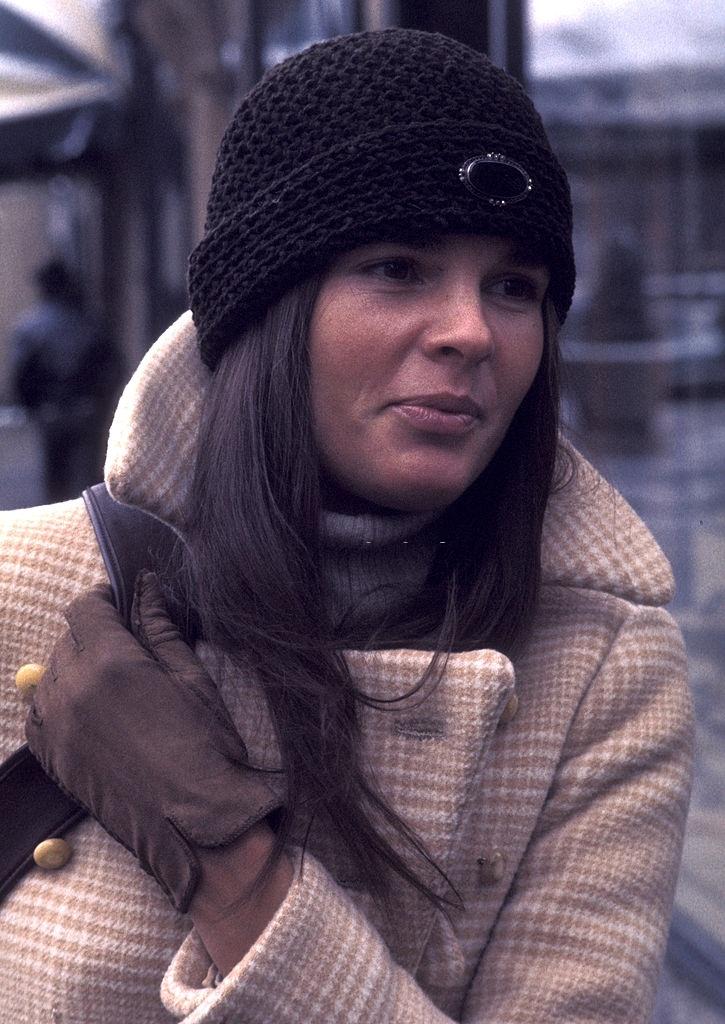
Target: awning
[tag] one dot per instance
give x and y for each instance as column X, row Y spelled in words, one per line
column 59, row 81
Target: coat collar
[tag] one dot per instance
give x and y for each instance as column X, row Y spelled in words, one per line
column 592, row 538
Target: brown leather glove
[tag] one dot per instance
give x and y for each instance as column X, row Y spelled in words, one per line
column 133, row 728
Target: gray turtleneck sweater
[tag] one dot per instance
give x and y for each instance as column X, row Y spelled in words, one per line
column 375, row 566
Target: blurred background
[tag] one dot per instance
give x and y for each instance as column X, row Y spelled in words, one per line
column 110, row 115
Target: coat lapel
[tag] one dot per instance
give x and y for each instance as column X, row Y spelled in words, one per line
column 425, row 752
column 424, row 748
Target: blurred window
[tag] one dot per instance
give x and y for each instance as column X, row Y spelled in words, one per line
column 287, row 26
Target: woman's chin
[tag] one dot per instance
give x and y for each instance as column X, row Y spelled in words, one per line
column 417, row 496
column 419, row 481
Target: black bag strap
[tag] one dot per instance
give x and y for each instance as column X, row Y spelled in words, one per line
column 32, row 806
column 130, row 540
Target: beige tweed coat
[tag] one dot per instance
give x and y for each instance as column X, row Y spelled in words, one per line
column 553, row 791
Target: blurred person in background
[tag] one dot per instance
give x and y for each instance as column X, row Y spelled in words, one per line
column 65, row 373
column 426, row 756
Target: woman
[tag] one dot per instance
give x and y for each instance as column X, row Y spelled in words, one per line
column 434, row 655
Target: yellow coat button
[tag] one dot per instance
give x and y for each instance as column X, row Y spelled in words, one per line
column 52, row 854
column 491, row 868
column 28, row 677
column 509, row 709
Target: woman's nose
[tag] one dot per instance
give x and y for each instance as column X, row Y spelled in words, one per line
column 460, row 328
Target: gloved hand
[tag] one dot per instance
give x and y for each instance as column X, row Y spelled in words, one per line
column 133, row 728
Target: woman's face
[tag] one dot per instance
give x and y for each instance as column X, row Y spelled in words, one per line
column 420, row 356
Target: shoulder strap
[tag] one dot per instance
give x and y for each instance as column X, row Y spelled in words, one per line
column 32, row 806
column 130, row 540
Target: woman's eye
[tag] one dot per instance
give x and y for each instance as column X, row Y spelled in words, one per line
column 522, row 288
column 397, row 269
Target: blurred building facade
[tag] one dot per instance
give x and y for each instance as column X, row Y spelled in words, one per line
column 636, row 111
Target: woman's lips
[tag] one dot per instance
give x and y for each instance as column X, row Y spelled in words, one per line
column 444, row 415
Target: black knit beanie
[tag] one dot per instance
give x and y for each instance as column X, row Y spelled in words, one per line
column 375, row 136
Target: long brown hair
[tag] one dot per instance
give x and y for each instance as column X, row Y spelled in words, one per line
column 253, row 566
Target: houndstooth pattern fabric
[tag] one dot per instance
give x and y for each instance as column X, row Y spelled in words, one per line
column 560, row 827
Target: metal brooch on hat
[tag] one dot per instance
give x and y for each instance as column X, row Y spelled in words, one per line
column 496, row 178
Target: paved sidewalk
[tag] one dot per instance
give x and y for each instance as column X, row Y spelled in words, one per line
column 20, row 465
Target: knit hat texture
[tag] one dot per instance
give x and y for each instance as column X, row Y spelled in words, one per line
column 360, row 139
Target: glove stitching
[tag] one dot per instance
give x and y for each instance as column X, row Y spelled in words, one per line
column 227, row 838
